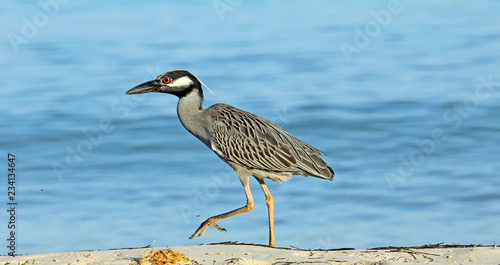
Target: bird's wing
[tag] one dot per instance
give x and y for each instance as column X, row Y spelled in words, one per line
column 254, row 142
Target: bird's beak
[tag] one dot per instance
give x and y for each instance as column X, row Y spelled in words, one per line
column 149, row 86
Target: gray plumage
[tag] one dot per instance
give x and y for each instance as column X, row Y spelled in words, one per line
column 256, row 143
column 251, row 145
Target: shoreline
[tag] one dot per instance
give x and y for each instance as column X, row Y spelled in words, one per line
column 231, row 253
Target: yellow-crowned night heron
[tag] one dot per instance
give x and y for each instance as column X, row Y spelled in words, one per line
column 251, row 145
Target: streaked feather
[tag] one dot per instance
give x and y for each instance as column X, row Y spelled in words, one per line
column 256, row 143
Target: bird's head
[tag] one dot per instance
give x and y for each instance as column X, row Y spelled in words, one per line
column 176, row 82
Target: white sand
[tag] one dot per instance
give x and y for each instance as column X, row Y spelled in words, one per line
column 248, row 254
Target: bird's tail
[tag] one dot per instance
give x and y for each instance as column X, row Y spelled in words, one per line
column 332, row 173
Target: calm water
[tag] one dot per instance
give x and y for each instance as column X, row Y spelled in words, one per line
column 407, row 108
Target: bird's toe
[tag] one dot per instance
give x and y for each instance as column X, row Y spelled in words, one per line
column 218, row 227
column 204, row 226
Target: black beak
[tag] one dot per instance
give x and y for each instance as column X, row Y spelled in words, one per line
column 149, row 86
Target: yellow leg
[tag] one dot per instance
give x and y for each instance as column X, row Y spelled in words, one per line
column 213, row 219
column 270, row 207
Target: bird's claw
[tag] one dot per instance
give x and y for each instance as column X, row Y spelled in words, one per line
column 219, row 228
column 204, row 226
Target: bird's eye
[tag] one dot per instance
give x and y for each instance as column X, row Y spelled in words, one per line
column 167, row 80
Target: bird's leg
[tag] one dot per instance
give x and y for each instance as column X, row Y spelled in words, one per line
column 213, row 219
column 270, row 207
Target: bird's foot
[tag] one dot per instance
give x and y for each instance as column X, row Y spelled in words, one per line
column 204, row 226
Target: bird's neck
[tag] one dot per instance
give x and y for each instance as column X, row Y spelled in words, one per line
column 190, row 110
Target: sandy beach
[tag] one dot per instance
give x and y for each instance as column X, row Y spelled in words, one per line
column 251, row 254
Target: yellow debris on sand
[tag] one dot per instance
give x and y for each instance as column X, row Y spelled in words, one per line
column 162, row 257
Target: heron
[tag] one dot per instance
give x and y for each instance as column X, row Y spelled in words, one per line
column 251, row 145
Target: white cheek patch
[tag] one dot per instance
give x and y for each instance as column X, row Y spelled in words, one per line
column 183, row 82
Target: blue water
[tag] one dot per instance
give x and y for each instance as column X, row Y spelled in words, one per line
column 408, row 115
